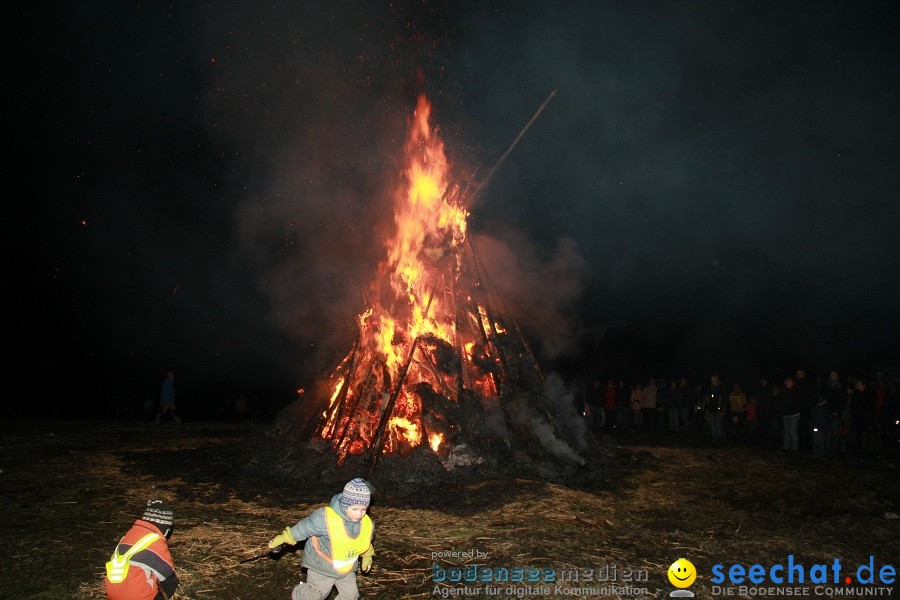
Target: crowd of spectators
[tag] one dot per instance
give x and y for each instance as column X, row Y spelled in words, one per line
column 826, row 417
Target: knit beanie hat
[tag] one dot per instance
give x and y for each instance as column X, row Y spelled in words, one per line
column 356, row 493
column 158, row 512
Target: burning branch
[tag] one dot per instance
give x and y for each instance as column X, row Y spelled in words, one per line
column 375, row 450
column 382, row 397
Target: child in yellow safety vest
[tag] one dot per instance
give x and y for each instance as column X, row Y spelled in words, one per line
column 338, row 536
column 141, row 567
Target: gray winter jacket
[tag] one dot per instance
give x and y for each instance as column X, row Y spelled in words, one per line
column 315, row 525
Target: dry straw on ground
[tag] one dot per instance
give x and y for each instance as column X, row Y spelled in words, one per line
column 73, row 489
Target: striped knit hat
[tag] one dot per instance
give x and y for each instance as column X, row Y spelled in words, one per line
column 356, row 493
column 158, row 512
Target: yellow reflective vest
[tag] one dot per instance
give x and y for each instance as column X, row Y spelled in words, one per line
column 117, row 566
column 344, row 549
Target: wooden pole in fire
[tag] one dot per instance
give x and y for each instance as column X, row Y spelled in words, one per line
column 495, row 339
column 460, row 347
column 361, row 398
column 319, row 419
column 375, row 449
column 487, row 178
column 497, row 300
column 348, row 381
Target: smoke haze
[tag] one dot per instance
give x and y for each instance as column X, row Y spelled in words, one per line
column 713, row 188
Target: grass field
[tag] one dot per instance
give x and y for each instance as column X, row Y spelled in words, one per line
column 69, row 490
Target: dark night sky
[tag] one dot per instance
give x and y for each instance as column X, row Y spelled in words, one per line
column 205, row 188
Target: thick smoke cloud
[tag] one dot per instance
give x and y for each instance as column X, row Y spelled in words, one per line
column 541, row 294
column 317, row 104
column 571, row 426
column 705, row 177
column 208, row 183
column 721, row 166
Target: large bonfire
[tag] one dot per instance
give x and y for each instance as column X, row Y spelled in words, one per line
column 438, row 365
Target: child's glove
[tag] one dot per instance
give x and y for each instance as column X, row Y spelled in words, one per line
column 365, row 564
column 284, row 538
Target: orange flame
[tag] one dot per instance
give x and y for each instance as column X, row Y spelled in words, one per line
column 430, row 225
column 407, row 429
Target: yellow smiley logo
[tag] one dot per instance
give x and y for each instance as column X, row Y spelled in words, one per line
column 682, row 573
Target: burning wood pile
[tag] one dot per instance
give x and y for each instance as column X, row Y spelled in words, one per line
column 439, row 368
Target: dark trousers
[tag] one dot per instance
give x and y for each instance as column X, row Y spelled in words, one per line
column 649, row 418
column 611, row 419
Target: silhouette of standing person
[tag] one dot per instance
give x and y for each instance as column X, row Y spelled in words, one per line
column 715, row 406
column 167, row 399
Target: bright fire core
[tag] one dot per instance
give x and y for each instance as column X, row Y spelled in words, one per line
column 416, row 340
